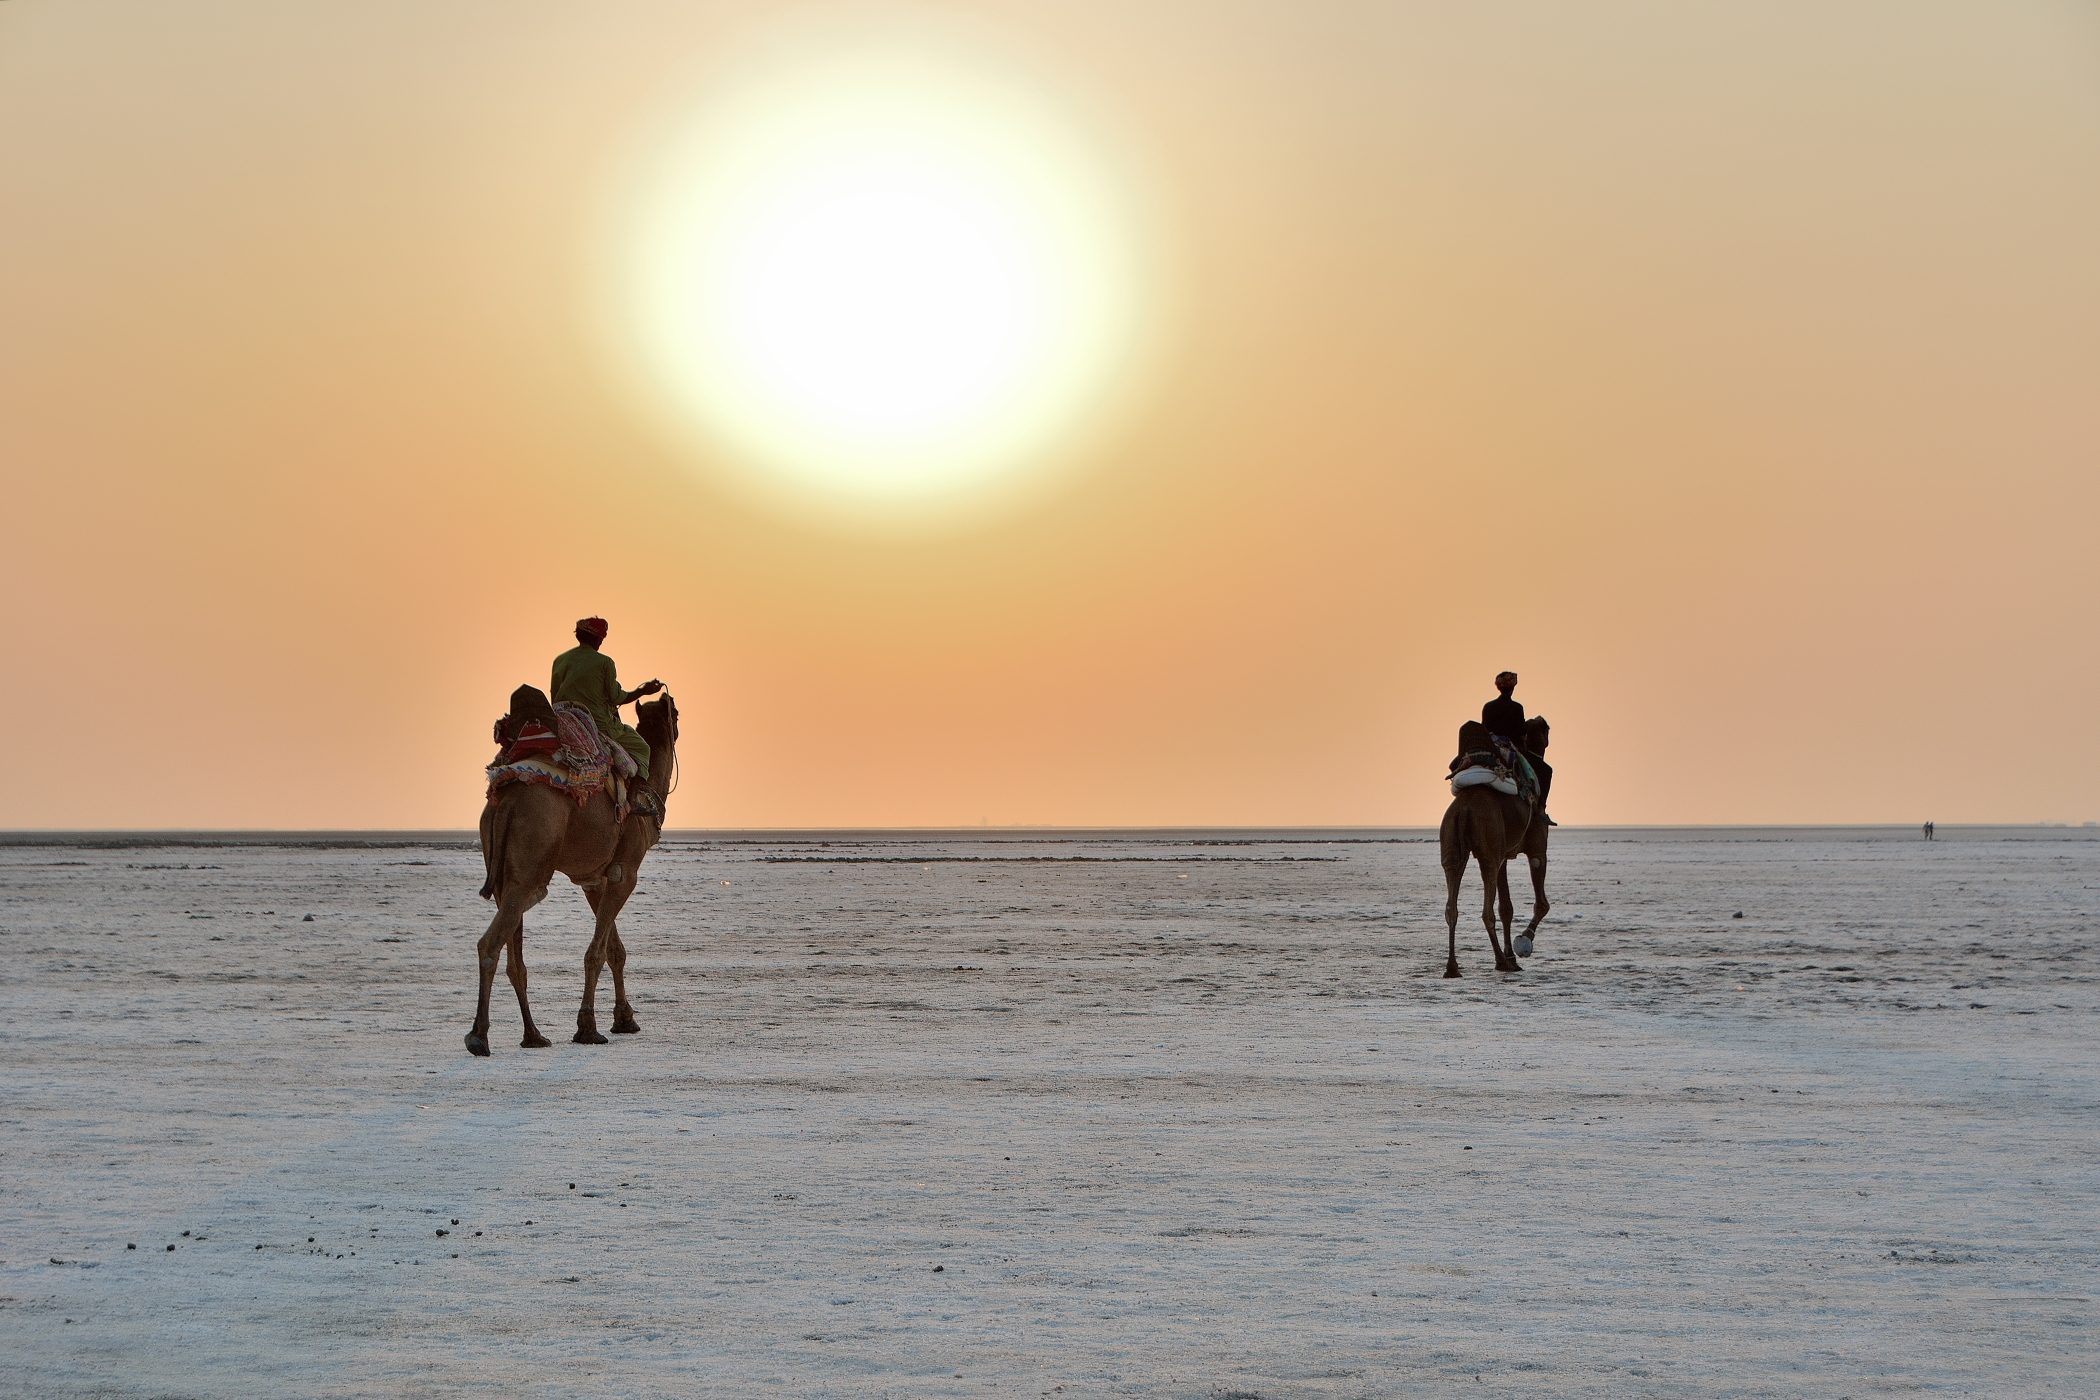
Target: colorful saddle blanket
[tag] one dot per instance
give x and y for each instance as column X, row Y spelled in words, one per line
column 573, row 758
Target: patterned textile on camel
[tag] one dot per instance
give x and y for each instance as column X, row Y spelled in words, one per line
column 583, row 764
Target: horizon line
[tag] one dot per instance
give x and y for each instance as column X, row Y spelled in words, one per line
column 8, row 834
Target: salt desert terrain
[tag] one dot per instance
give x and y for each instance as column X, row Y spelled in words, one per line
column 1013, row 1114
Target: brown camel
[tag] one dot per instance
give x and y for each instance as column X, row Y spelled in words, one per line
column 1493, row 828
column 531, row 832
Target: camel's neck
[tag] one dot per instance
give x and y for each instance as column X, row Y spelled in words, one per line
column 661, row 758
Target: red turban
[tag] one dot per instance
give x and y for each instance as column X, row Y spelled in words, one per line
column 596, row 626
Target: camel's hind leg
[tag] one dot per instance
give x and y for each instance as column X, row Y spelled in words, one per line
column 515, row 967
column 1490, row 872
column 1451, row 850
column 1509, row 915
column 506, row 930
column 1454, row 873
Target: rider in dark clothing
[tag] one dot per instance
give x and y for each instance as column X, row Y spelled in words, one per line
column 1502, row 715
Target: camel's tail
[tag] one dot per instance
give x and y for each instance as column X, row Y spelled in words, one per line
column 495, row 836
column 1460, row 852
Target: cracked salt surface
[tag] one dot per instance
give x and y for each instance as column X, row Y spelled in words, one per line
column 1039, row 1125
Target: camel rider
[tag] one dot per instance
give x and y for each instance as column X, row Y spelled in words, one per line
column 1504, row 716
column 586, row 676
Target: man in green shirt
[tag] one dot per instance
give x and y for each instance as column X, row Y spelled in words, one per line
column 586, row 676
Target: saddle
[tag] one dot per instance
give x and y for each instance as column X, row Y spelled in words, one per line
column 559, row 746
column 1490, row 760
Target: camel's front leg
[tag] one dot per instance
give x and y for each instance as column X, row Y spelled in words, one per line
column 1539, row 907
column 616, row 959
column 606, row 902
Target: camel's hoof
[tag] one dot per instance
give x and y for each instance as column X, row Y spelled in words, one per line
column 587, row 1037
column 535, row 1041
column 623, row 1020
column 1524, row 946
column 477, row 1044
column 1451, row 970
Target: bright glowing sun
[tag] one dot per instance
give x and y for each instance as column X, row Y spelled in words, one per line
column 882, row 274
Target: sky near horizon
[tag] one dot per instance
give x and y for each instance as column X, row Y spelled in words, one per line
column 1728, row 371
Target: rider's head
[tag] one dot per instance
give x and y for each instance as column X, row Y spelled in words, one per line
column 1506, row 682
column 591, row 631
column 1537, row 733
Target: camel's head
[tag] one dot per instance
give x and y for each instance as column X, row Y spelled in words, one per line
column 657, row 720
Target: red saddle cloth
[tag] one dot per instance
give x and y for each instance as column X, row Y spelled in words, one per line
column 570, row 757
column 535, row 740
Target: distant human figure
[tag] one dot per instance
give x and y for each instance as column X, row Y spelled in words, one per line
column 1505, row 717
column 1928, row 831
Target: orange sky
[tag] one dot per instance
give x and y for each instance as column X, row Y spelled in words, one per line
column 1729, row 371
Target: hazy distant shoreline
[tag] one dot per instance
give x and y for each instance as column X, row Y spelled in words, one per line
column 466, row 837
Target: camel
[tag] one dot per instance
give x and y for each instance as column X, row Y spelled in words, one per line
column 530, row 832
column 1493, row 828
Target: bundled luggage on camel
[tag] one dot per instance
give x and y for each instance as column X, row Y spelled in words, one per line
column 559, row 746
column 1486, row 759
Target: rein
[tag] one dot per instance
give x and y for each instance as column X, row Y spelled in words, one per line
column 676, row 771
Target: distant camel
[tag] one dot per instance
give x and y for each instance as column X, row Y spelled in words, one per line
column 530, row 833
column 1492, row 827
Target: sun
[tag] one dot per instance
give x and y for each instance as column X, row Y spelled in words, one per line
column 893, row 273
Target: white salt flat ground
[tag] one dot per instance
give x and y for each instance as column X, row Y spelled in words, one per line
column 1060, row 1115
